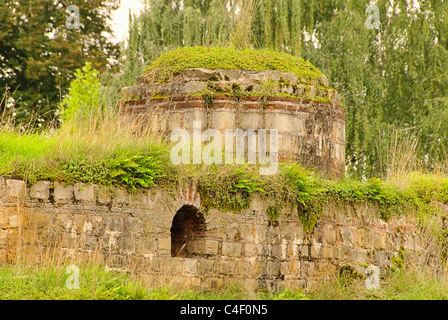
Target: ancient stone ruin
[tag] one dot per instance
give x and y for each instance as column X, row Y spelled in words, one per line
column 309, row 119
column 169, row 239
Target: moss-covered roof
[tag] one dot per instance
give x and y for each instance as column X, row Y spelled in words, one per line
column 231, row 59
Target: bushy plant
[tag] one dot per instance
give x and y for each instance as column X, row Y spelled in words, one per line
column 84, row 96
column 130, row 169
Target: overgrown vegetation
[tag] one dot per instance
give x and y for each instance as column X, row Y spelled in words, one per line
column 394, row 88
column 105, row 151
column 55, row 282
column 392, row 80
column 407, row 284
column 97, row 151
column 23, row 282
column 84, row 95
column 232, row 59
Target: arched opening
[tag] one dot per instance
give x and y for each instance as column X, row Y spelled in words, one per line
column 188, row 233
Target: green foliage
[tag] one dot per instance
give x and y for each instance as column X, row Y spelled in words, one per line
column 28, row 282
column 388, row 81
column 399, row 260
column 39, row 55
column 229, row 58
column 388, row 197
column 137, row 170
column 229, row 189
column 301, row 185
column 301, row 188
column 408, row 284
column 84, row 96
column 95, row 153
column 24, row 155
column 125, row 168
column 32, row 282
column 428, row 187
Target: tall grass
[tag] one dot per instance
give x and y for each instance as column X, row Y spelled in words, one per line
column 397, row 152
column 33, row 282
column 410, row 284
column 23, row 282
column 50, row 153
column 241, row 36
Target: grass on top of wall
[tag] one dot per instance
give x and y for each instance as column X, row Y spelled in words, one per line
column 230, row 58
column 101, row 151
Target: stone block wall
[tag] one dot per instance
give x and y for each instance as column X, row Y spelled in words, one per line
column 167, row 240
column 310, row 131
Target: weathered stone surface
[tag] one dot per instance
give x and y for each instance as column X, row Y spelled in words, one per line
column 231, row 249
column 130, row 92
column 38, row 220
column 164, row 246
column 84, row 192
column 255, row 77
column 300, row 90
column 380, row 241
column 63, row 193
column 104, row 196
column 15, row 189
column 230, row 75
column 329, row 235
column 211, row 247
column 191, row 266
column 40, row 190
column 312, row 92
column 347, row 236
column 150, row 89
column 245, row 247
column 121, row 196
column 193, row 86
column 198, row 74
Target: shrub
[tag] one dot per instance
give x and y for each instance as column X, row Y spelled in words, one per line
column 84, row 97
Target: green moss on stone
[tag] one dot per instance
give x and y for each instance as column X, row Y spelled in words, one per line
column 230, row 59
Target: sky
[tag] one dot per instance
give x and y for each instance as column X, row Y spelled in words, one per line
column 120, row 23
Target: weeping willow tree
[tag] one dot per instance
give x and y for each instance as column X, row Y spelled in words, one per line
column 168, row 24
column 393, row 79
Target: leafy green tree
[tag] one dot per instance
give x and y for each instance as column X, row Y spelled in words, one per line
column 39, row 54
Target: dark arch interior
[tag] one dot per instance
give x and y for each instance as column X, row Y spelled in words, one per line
column 188, row 233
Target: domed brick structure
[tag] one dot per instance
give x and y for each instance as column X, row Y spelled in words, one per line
column 222, row 95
